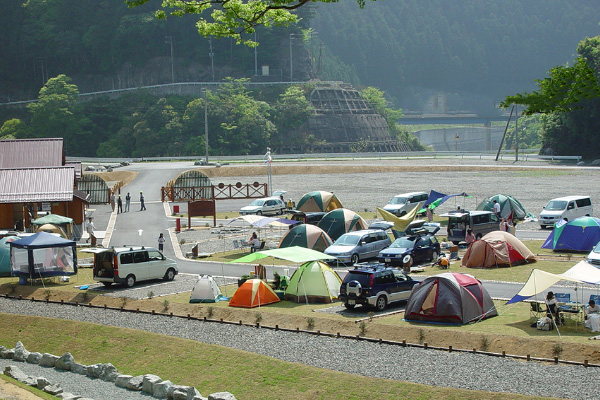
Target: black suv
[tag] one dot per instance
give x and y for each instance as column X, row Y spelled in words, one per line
column 375, row 285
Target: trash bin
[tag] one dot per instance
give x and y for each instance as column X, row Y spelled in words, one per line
column 176, row 209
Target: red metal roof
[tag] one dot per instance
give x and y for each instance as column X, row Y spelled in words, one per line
column 27, row 153
column 32, row 185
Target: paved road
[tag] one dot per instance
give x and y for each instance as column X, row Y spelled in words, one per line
column 142, row 227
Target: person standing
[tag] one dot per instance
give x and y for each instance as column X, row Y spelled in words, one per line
column 497, row 209
column 143, row 206
column 127, row 202
column 119, row 204
column 89, row 227
column 112, row 200
column 161, row 242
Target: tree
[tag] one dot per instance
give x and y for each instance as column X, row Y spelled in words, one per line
column 13, row 129
column 232, row 18
column 292, row 111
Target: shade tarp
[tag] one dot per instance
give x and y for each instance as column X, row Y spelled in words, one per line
column 436, row 199
column 306, row 235
column 538, row 282
column 318, row 201
column 580, row 234
column 508, row 205
column 585, row 272
column 314, row 281
column 253, row 293
column 295, row 254
column 400, row 223
column 337, row 222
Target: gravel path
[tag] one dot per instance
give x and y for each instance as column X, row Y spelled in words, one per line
column 430, row 367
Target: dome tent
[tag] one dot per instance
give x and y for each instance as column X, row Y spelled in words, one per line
column 449, row 298
column 306, row 235
column 337, row 222
column 508, row 205
column 318, row 201
column 313, row 282
column 580, row 234
column 205, row 290
column 497, row 249
column 253, row 293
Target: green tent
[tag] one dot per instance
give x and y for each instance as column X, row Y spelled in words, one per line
column 5, row 254
column 318, row 201
column 306, row 235
column 54, row 219
column 295, row 254
column 313, row 282
column 508, row 205
column 337, row 222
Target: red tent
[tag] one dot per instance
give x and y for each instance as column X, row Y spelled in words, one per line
column 253, row 293
column 497, row 249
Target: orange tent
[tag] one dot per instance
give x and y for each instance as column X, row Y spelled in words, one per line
column 253, row 293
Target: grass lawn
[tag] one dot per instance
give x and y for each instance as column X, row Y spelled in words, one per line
column 210, row 368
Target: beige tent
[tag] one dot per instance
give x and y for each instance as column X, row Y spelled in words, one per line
column 497, row 249
column 51, row 228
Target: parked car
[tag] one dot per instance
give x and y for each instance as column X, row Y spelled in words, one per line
column 354, row 246
column 128, row 265
column 312, row 218
column 569, row 208
column 594, row 256
column 480, row 222
column 401, row 204
column 264, row 206
column 375, row 286
column 421, row 248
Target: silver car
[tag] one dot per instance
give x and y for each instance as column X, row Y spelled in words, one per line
column 354, row 246
column 264, row 206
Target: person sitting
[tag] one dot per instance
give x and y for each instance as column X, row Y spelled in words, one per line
column 470, row 237
column 552, row 307
column 591, row 308
column 254, row 243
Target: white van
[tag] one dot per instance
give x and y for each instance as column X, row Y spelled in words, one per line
column 568, row 208
column 403, row 203
column 128, row 265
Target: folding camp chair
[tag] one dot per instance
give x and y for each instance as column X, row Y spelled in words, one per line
column 537, row 310
column 236, row 244
column 596, row 298
column 563, row 297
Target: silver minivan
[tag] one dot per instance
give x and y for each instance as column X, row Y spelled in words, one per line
column 128, row 265
column 567, row 208
column 354, row 246
column 480, row 222
column 402, row 204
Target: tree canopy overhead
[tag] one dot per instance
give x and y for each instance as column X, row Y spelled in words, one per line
column 233, row 18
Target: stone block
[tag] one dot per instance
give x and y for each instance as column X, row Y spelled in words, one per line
column 15, row 372
column 121, row 380
column 68, row 396
column 42, row 382
column 199, row 397
column 135, row 383
column 34, row 357
column 179, row 394
column 160, row 390
column 48, row 360
column 64, row 362
column 221, row 396
column 149, row 382
column 78, row 368
column 109, row 372
column 21, row 352
column 53, row 389
column 7, row 354
column 94, row 370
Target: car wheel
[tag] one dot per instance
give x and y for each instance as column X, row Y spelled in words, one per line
column 107, row 284
column 130, row 281
column 478, row 236
column 434, row 256
column 349, row 306
column 354, row 259
column 259, row 213
column 543, row 227
column 169, row 275
column 381, row 303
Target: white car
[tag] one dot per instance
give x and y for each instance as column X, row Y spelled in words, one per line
column 594, row 256
column 402, row 204
column 264, row 206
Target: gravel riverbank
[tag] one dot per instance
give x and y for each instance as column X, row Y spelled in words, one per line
column 466, row 371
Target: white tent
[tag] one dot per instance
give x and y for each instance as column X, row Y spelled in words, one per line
column 539, row 280
column 205, row 290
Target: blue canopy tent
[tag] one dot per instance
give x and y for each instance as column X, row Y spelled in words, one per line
column 580, row 234
column 42, row 255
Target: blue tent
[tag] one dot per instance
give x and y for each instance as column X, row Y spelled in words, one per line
column 5, row 254
column 42, row 255
column 580, row 234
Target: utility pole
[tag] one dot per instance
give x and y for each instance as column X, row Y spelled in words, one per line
column 170, row 40
column 206, row 124
column 292, row 36
column 255, row 55
column 517, row 134
column 212, row 61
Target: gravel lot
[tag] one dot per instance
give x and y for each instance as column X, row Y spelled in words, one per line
column 467, row 371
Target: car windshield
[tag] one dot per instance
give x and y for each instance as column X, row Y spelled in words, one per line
column 597, row 248
column 361, row 277
column 257, row 203
column 556, row 205
column 347, row 240
column 398, row 200
column 406, row 242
